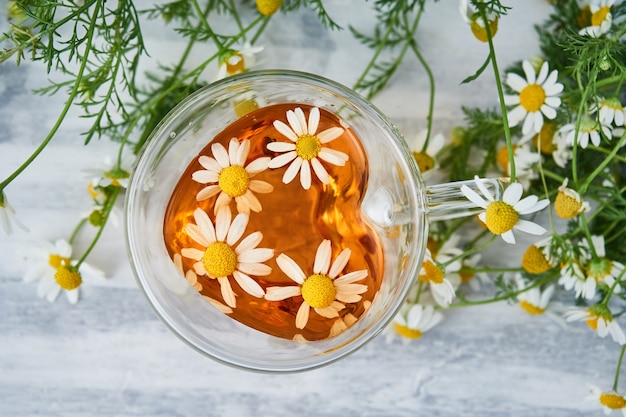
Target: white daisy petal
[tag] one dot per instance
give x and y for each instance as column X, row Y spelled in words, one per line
column 236, row 229
column 220, row 154
column 285, row 130
column 256, row 269
column 330, row 134
column 351, row 277
column 227, row 292
column 305, row 175
column 281, row 146
column 207, row 192
column 314, row 119
column 302, row 316
column 529, row 227
column 261, row 187
column 281, row 293
column 320, row 171
column 282, row 160
column 322, row 258
column 248, row 284
column 242, row 153
column 222, row 223
column 473, row 196
column 292, row 171
column 340, row 263
column 297, row 121
column 249, row 242
column 204, row 224
column 508, row 237
column 290, row 268
column 233, row 149
column 333, row 156
column 256, row 255
column 529, row 71
column 204, row 176
column 516, row 82
column 194, row 232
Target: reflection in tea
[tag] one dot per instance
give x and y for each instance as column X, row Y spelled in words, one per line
column 266, row 223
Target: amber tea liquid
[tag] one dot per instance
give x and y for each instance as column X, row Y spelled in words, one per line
column 293, row 221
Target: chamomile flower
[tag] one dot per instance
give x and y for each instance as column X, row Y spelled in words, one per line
column 538, row 97
column 425, row 157
column 502, row 217
column 601, row 269
column 608, row 400
column 109, row 173
column 8, row 217
column 537, row 258
column 228, row 177
column 590, row 130
column 568, row 203
column 237, row 60
column 306, row 147
column 573, row 278
column 413, row 320
column 601, row 18
column 534, row 301
column 600, row 319
column 53, row 266
column 525, row 163
column 324, row 290
column 472, row 17
column 220, row 259
column 434, row 274
column 610, row 110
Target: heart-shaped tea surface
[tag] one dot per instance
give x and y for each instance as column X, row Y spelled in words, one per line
column 266, row 224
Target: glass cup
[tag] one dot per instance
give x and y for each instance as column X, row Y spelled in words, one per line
column 396, row 206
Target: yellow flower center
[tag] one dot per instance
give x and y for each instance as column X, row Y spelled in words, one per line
column 233, row 180
column 268, row 7
column 544, row 139
column 612, row 401
column 600, row 15
column 566, row 206
column 599, row 268
column 532, row 97
column 479, row 30
column 308, row 146
column 92, row 191
column 68, row 278
column 534, row 261
column 592, row 323
column 318, row 291
column 235, row 64
column 407, row 332
column 501, row 217
column 503, row 158
column 424, row 161
column 57, row 261
column 466, row 276
column 530, row 308
column 432, row 273
column 219, row 259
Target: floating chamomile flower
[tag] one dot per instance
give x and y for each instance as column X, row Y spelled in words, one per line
column 538, row 97
column 55, row 269
column 568, row 203
column 608, row 400
column 227, row 176
column 306, row 148
column 601, row 18
column 472, row 17
column 324, row 291
column 413, row 320
column 599, row 318
column 502, row 217
column 237, row 60
column 220, row 258
column 590, row 130
column 8, row 217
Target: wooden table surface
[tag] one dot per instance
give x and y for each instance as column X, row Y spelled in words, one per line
column 109, row 355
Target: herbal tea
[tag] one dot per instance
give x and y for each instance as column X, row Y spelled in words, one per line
column 265, row 223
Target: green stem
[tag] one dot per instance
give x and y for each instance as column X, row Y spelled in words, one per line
column 79, row 226
column 609, row 293
column 496, row 72
column 107, row 211
column 468, row 252
column 207, row 26
column 619, row 368
column 603, row 164
column 431, row 98
column 68, row 103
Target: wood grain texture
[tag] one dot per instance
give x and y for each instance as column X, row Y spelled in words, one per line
column 109, row 355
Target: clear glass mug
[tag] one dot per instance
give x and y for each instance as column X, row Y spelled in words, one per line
column 396, row 205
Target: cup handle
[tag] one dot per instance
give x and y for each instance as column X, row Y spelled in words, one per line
column 446, row 201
